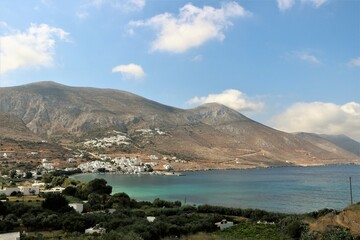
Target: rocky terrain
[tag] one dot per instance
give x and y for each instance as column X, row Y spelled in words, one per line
column 209, row 136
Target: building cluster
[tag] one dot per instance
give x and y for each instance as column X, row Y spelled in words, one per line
column 150, row 132
column 124, row 165
column 106, row 142
column 33, row 190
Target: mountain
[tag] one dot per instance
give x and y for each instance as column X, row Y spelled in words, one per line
column 342, row 141
column 11, row 127
column 209, row 136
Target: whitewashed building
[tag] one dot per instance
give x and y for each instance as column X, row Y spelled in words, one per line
column 26, row 190
column 96, row 229
column 224, row 224
column 10, row 236
column 79, row 207
column 8, row 191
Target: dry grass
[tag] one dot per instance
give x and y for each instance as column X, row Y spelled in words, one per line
column 348, row 218
column 25, row 199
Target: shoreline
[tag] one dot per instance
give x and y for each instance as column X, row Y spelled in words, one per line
column 183, row 173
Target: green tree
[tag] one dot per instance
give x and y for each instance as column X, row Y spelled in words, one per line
column 12, row 173
column 54, row 201
column 99, row 186
column 28, row 175
column 82, row 191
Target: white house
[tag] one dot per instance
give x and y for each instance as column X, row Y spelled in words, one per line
column 33, row 190
column 8, row 191
column 79, row 207
column 48, row 165
column 168, row 167
column 10, row 236
column 26, row 190
column 224, row 224
column 54, row 190
column 150, row 218
column 96, row 229
column 38, row 184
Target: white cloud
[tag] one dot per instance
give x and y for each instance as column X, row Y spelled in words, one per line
column 197, row 58
column 285, row 4
column 231, row 98
column 307, row 57
column 316, row 3
column 319, row 117
column 130, row 71
column 82, row 15
column 32, row 48
column 94, row 3
column 129, row 5
column 123, row 5
column 192, row 27
column 355, row 62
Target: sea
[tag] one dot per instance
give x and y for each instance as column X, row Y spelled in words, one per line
column 282, row 189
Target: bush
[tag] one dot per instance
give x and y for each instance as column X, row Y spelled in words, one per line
column 54, row 202
column 335, row 233
column 292, row 226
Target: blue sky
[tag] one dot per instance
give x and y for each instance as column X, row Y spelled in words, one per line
column 290, row 64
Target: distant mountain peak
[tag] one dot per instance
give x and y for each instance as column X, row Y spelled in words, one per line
column 46, row 84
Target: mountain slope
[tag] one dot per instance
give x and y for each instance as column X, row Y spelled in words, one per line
column 210, row 136
column 11, row 127
column 344, row 142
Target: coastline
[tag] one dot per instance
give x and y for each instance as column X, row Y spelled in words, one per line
column 273, row 189
column 183, row 172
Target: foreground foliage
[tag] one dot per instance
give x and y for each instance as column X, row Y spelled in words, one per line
column 53, row 219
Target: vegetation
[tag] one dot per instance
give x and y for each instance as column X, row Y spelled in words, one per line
column 52, row 218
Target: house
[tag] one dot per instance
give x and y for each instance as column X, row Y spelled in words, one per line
column 8, row 191
column 48, row 165
column 150, row 218
column 168, row 167
column 79, row 207
column 33, row 190
column 224, row 224
column 38, row 184
column 54, row 190
column 10, row 236
column 26, row 190
column 96, row 229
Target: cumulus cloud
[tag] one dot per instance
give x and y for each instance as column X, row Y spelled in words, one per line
column 31, row 48
column 319, row 117
column 231, row 98
column 285, row 4
column 355, row 62
column 192, row 27
column 315, row 3
column 130, row 71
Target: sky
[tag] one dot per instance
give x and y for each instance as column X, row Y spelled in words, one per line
column 290, row 64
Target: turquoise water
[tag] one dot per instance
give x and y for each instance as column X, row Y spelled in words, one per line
column 287, row 189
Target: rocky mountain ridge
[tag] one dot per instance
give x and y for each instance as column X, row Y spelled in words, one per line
column 211, row 135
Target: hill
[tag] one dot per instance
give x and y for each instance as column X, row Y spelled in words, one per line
column 209, row 136
column 344, row 142
column 14, row 128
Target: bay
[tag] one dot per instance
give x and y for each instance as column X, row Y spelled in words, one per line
column 285, row 189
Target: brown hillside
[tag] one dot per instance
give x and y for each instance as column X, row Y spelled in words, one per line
column 209, row 136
